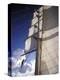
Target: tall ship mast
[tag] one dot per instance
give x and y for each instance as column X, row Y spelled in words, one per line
column 43, row 38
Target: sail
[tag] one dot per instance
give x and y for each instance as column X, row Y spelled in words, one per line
column 49, row 58
column 48, row 31
column 30, row 44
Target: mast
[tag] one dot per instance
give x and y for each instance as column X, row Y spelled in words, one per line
column 47, row 43
column 39, row 46
column 36, row 37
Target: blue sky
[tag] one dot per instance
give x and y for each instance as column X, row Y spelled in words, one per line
column 21, row 16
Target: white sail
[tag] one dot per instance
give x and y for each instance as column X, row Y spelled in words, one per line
column 49, row 58
column 34, row 28
column 30, row 44
column 49, row 23
column 31, row 31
